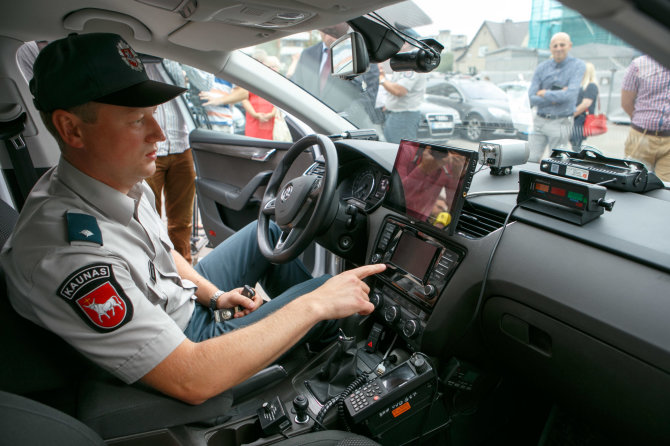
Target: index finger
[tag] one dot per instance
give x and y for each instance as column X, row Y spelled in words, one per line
column 367, row 270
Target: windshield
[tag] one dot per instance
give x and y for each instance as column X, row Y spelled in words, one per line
column 505, row 50
column 483, row 90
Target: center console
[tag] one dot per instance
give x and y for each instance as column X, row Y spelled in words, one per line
column 384, row 386
column 419, row 267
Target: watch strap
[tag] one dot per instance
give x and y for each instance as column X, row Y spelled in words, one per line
column 214, row 299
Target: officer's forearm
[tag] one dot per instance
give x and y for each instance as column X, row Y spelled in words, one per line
column 195, row 372
column 206, row 289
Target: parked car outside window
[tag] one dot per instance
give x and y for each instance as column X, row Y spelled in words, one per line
column 484, row 108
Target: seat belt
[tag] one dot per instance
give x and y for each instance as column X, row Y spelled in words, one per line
column 12, row 125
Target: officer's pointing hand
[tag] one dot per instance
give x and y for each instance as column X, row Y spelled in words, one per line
column 346, row 293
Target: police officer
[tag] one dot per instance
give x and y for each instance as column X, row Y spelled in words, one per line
column 90, row 260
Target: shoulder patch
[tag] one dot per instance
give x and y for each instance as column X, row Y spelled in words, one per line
column 83, row 228
column 96, row 296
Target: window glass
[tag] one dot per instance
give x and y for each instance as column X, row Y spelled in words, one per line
column 493, row 50
column 219, row 105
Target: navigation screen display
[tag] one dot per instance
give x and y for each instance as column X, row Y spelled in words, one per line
column 413, row 255
column 431, row 182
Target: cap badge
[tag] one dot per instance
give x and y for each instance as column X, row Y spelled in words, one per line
column 129, row 56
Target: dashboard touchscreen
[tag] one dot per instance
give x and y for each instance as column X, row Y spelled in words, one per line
column 431, row 182
column 413, row 255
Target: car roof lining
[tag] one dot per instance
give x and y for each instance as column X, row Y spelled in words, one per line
column 28, row 20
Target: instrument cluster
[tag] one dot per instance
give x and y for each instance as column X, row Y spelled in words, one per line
column 366, row 186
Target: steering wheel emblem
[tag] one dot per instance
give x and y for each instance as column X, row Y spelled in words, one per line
column 286, row 192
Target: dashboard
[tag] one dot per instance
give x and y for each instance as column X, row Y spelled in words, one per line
column 571, row 309
column 366, row 186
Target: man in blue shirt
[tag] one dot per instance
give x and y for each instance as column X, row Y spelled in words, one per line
column 553, row 92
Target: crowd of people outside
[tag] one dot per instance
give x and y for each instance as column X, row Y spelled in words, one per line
column 564, row 91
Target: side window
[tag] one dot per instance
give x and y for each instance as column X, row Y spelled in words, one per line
column 217, row 104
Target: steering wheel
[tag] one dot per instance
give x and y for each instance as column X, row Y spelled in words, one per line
column 301, row 206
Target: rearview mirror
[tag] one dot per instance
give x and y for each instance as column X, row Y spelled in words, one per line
column 349, row 57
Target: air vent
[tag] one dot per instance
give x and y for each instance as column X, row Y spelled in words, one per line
column 316, row 169
column 476, row 222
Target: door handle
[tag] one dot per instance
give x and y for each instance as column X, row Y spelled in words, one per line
column 263, row 157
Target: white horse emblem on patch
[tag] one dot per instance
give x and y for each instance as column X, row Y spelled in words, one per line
column 86, row 233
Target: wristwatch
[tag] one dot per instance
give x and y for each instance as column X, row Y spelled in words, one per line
column 214, row 299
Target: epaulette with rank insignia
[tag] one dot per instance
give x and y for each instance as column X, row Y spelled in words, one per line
column 83, row 228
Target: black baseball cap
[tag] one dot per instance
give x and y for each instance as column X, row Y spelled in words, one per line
column 98, row 67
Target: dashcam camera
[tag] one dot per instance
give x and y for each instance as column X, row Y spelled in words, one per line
column 501, row 154
column 421, row 60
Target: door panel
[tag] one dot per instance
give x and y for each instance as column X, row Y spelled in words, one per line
column 231, row 174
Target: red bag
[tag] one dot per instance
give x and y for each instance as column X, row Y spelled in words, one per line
column 595, row 124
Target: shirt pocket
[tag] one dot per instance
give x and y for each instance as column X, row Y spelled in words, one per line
column 163, row 259
column 156, row 295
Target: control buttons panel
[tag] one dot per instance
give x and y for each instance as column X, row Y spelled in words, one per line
column 407, row 318
column 366, row 395
column 387, row 233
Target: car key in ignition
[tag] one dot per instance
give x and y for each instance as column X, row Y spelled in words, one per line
column 227, row 313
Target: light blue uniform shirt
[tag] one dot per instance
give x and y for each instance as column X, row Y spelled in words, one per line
column 553, row 77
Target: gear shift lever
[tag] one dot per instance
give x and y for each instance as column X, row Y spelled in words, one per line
column 300, row 404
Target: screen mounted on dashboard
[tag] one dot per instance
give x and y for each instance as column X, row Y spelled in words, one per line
column 430, row 182
column 413, row 255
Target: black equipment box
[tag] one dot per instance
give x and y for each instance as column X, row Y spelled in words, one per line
column 570, row 200
column 273, row 417
column 394, row 396
column 592, row 167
